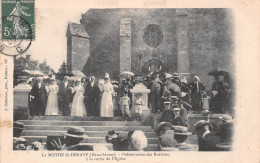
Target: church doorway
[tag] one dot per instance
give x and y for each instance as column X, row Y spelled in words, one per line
column 153, row 65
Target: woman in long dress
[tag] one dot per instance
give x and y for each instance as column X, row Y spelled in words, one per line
column 107, row 109
column 52, row 103
column 78, row 107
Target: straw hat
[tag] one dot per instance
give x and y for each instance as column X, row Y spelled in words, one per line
column 200, row 124
column 181, row 130
column 176, row 109
column 226, row 118
column 163, row 124
column 76, row 132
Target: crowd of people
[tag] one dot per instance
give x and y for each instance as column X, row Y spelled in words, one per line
column 82, row 97
column 170, row 100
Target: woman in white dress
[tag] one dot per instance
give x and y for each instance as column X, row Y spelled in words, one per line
column 52, row 107
column 78, row 107
column 107, row 109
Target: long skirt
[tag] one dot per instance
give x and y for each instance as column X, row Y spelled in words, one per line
column 78, row 107
column 106, row 109
column 52, row 105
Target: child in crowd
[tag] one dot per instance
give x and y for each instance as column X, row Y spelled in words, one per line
column 206, row 96
column 138, row 106
column 124, row 105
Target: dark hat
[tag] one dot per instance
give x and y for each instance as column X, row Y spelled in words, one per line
column 200, row 124
column 163, row 124
column 76, row 132
column 18, row 125
column 181, row 130
column 111, row 132
column 138, row 94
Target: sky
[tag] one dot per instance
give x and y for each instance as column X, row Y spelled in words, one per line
column 52, row 19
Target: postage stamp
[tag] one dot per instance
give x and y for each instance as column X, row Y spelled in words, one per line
column 18, row 20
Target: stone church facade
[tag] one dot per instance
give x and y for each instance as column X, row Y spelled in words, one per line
column 187, row 41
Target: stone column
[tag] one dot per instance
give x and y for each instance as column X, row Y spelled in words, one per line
column 125, row 44
column 183, row 63
column 140, row 88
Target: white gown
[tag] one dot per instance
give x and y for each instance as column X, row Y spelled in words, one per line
column 78, row 107
column 52, row 107
column 107, row 109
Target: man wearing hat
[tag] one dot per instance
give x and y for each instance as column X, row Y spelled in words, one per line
column 91, row 97
column 162, row 128
column 196, row 89
column 65, row 96
column 156, row 98
column 177, row 119
column 138, row 106
column 206, row 139
column 73, row 137
column 39, row 95
column 177, row 102
column 206, row 114
column 180, row 135
column 167, row 141
column 167, row 113
column 226, row 129
column 124, row 106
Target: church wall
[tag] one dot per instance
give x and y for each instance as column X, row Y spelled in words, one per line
column 79, row 52
column 209, row 39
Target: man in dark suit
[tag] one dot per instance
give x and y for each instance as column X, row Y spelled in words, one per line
column 39, row 95
column 91, row 92
column 64, row 96
column 206, row 139
column 196, row 88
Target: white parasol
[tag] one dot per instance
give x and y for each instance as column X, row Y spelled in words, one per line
column 126, row 74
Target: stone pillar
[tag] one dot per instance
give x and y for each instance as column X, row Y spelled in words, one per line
column 140, row 88
column 125, row 44
column 78, row 46
column 21, row 95
column 183, row 63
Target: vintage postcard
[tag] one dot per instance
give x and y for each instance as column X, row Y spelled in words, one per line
column 123, row 81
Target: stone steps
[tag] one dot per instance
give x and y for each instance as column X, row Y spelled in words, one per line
column 74, row 118
column 86, row 140
column 80, row 123
column 89, row 128
column 89, row 133
column 38, row 128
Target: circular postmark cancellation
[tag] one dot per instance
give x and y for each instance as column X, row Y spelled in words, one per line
column 16, row 35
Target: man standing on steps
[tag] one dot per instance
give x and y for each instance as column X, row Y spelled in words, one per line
column 64, row 96
column 91, row 92
column 39, row 95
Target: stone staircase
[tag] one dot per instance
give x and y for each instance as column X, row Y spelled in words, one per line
column 38, row 128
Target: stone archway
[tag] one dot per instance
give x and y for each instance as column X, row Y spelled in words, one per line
column 153, row 65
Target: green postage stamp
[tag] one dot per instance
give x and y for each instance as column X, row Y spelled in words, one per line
column 18, row 20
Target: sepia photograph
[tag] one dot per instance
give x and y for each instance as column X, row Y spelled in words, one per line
column 131, row 79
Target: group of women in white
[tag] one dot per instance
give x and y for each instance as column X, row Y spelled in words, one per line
column 78, row 106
